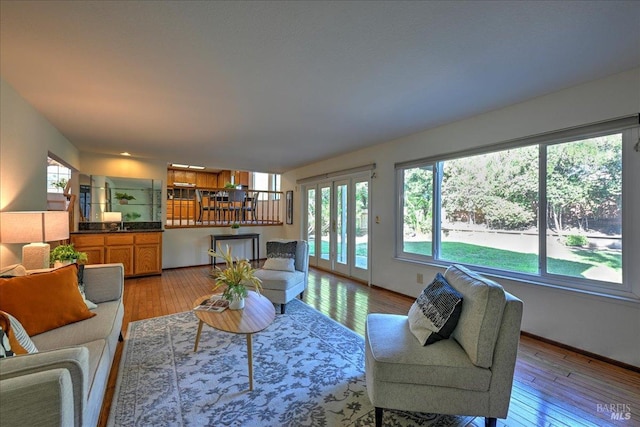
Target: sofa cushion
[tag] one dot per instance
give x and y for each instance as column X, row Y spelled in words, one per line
column 397, row 357
column 79, row 333
column 279, row 280
column 282, row 264
column 435, row 313
column 481, row 314
column 44, row 301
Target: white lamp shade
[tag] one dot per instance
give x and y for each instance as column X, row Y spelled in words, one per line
column 33, row 227
column 112, row 216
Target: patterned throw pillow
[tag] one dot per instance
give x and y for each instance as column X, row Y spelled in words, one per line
column 5, row 344
column 281, row 249
column 13, row 338
column 434, row 315
column 21, row 336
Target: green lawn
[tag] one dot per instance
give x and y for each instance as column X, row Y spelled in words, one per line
column 508, row 260
column 515, row 261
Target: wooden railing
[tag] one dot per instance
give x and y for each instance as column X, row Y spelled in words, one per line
column 221, row 207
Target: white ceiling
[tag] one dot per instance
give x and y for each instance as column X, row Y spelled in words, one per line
column 270, row 86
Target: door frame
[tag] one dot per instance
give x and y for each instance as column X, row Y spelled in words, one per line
column 349, row 269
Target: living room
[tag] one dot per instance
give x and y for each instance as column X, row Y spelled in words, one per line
column 605, row 324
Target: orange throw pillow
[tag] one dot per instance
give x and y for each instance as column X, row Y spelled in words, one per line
column 44, row 301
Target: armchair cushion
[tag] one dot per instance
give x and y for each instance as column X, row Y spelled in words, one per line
column 435, row 313
column 278, row 279
column 481, row 315
column 397, row 357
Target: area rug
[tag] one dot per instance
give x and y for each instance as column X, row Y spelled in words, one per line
column 308, row 371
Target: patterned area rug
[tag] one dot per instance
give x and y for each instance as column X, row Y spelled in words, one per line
column 308, row 371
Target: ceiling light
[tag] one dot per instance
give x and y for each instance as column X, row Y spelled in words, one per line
column 124, row 153
column 180, row 165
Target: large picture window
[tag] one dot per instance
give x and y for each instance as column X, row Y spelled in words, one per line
column 487, row 209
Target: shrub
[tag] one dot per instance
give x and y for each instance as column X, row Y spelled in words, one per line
column 576, row 240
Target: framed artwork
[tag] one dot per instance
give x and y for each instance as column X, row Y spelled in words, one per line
column 289, row 198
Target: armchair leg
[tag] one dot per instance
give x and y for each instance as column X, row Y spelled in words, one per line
column 378, row 417
column 120, row 337
column 490, row 422
column 282, row 308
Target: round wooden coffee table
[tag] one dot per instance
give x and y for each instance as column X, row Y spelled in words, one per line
column 257, row 314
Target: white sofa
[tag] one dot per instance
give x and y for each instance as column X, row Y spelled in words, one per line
column 65, row 382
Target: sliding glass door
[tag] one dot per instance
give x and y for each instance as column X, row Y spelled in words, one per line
column 337, row 224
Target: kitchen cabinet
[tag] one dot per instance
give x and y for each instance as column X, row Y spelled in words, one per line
column 139, row 252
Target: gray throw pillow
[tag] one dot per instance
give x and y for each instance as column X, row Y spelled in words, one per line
column 434, row 315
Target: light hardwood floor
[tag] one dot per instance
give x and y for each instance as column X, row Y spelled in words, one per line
column 552, row 387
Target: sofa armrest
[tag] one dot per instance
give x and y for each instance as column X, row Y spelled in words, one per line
column 103, row 282
column 74, row 360
column 41, row 398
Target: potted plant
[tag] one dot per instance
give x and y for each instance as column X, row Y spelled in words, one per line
column 236, row 277
column 131, row 216
column 66, row 254
column 62, row 184
column 123, row 198
column 235, row 228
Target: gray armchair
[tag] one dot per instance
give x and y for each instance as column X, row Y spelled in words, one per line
column 471, row 373
column 282, row 286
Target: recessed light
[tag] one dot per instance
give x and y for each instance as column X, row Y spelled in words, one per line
column 124, row 153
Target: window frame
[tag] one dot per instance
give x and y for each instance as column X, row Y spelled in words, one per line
column 627, row 126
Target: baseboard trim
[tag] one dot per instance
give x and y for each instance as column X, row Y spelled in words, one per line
column 583, row 352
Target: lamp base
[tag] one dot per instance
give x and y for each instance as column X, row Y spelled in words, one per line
column 35, row 256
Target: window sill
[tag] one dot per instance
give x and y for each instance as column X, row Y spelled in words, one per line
column 621, row 295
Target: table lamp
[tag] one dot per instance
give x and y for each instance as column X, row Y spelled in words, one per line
column 35, row 228
column 114, row 218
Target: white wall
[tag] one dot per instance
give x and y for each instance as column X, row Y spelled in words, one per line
column 600, row 325
column 26, row 138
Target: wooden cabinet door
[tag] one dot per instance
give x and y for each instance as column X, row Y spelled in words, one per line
column 92, row 245
column 212, row 180
column 123, row 254
column 242, row 178
column 223, row 178
column 95, row 255
column 201, row 180
column 170, row 177
column 147, row 259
